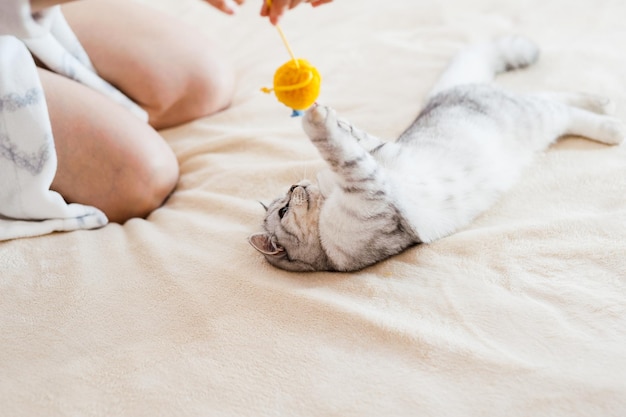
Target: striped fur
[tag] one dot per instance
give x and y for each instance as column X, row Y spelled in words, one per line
column 467, row 146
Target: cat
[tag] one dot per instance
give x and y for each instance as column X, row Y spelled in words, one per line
column 468, row 145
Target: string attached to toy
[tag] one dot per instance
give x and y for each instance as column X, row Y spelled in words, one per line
column 296, row 82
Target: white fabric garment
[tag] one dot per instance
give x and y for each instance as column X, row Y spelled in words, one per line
column 27, row 154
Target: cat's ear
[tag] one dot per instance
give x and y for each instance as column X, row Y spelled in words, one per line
column 265, row 244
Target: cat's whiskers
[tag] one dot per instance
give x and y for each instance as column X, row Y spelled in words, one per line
column 299, row 173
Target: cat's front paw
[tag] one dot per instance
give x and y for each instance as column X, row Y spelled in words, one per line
column 318, row 120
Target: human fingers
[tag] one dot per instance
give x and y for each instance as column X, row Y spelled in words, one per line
column 226, row 6
column 279, row 7
column 264, row 8
column 316, row 3
column 277, row 10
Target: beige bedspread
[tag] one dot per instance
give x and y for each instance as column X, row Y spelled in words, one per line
column 523, row 313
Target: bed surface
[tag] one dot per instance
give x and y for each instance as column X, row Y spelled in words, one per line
column 523, row 313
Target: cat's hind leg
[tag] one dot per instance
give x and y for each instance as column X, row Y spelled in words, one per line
column 598, row 127
column 553, row 115
column 594, row 103
column 479, row 63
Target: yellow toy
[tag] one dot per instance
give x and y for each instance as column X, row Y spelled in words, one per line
column 296, row 82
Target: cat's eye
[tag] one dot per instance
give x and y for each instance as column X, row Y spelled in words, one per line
column 283, row 211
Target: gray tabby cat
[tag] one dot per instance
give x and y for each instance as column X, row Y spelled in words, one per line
column 467, row 146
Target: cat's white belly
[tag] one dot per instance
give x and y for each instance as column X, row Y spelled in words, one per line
column 440, row 194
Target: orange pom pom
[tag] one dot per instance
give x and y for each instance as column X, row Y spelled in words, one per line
column 296, row 84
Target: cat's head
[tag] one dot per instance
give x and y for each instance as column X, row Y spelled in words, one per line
column 291, row 239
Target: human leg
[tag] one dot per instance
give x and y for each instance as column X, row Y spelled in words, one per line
column 107, row 157
column 169, row 68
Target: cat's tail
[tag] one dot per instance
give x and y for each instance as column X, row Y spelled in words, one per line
column 479, row 63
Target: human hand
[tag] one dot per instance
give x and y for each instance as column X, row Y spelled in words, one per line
column 279, row 7
column 226, row 6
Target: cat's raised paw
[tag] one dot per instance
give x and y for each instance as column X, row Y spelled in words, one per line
column 316, row 121
column 316, row 114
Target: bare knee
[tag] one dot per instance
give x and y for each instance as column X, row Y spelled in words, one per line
column 151, row 183
column 123, row 188
column 106, row 157
column 196, row 89
column 168, row 67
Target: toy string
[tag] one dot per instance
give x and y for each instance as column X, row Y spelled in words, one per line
column 286, row 89
column 284, row 39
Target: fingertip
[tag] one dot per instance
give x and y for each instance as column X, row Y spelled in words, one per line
column 277, row 14
column 274, row 17
column 232, row 6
